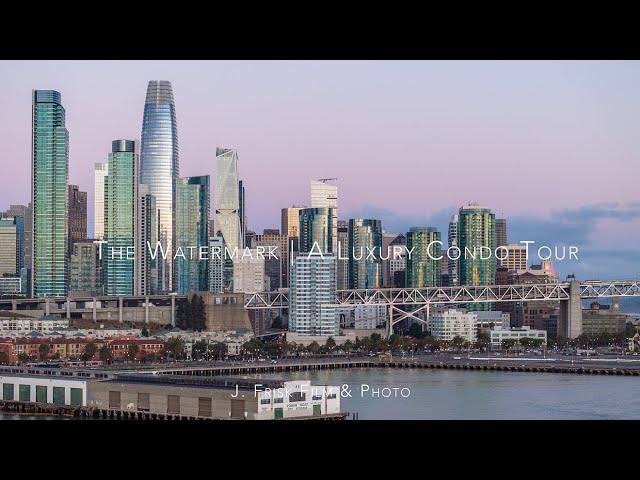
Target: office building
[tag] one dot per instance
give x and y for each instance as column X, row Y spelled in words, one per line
column 121, row 200
column 316, row 230
column 276, row 268
column 290, row 221
column 452, row 261
column 50, row 177
column 227, row 208
column 452, row 323
column 77, row 216
column 515, row 256
column 517, row 334
column 342, row 262
column 249, row 274
column 242, row 213
column 86, row 271
column 477, row 243
column 192, row 233
column 159, row 167
column 369, row 317
column 147, row 235
column 423, row 266
column 365, row 270
column 11, row 246
column 501, row 232
column 312, row 293
column 100, row 170
column 325, row 195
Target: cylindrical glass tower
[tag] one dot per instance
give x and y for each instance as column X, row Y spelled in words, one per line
column 159, row 166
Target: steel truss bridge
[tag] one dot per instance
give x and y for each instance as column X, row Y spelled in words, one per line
column 405, row 303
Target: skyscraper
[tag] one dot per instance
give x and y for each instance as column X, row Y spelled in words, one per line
column 77, row 216
column 86, row 273
column 452, row 261
column 10, row 246
column 423, row 269
column 227, row 195
column 342, row 263
column 241, row 211
column 501, row 232
column 159, row 166
column 290, row 221
column 100, row 171
column 120, row 198
column 146, row 269
column 192, row 233
column 49, row 180
column 365, row 270
column 476, row 233
column 275, row 268
column 325, row 195
column 316, row 228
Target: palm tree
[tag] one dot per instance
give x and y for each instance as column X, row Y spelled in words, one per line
column 89, row 352
column 105, row 353
column 43, row 351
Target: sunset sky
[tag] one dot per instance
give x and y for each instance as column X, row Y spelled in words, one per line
column 553, row 146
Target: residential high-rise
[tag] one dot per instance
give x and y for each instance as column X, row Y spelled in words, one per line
column 227, row 195
column 316, row 230
column 219, row 267
column 365, row 270
column 312, row 293
column 398, row 264
column 290, row 222
column 325, row 195
column 159, row 166
column 49, row 180
column 423, row 268
column 100, row 170
column 476, row 238
column 515, row 256
column 21, row 216
column 501, row 232
column 452, row 323
column 342, row 263
column 86, row 272
column 276, row 268
column 452, row 261
column 146, row 269
column 121, row 200
column 192, row 233
column 249, row 274
column 10, row 246
column 77, row 216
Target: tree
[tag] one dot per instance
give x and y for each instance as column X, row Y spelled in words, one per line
column 174, row 347
column 330, row 344
column 457, row 341
column 43, row 351
column 313, row 347
column 90, row 350
column 4, row 358
column 376, row 340
column 253, row 347
column 106, row 353
column 200, row 349
column 218, row 350
column 183, row 315
column 415, row 330
column 348, row 346
column 23, row 358
column 508, row 343
column 395, row 342
column 132, row 351
column 145, row 332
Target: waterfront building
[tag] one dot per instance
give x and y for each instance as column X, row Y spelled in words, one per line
column 50, row 176
column 452, row 261
column 22, row 326
column 501, row 232
column 312, row 292
column 159, row 167
column 121, row 199
column 537, row 315
column 499, row 334
column 515, row 256
column 227, row 195
column 601, row 319
column 486, row 320
column 77, row 216
column 58, row 390
column 192, row 233
column 423, row 268
column 316, row 228
column 86, row 271
column 368, row 317
column 100, row 170
column 451, row 323
column 342, row 263
column 147, row 235
column 249, row 274
column 476, row 233
column 365, row 271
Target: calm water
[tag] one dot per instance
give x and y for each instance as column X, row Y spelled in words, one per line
column 459, row 394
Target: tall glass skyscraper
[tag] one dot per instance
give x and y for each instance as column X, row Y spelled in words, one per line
column 423, row 270
column 316, row 227
column 120, row 199
column 146, row 273
column 192, row 230
column 49, row 180
column 227, row 201
column 365, row 270
column 99, row 172
column 159, row 166
column 476, row 231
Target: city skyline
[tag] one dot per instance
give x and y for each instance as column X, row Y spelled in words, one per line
column 610, row 214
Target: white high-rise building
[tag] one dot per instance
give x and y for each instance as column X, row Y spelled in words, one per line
column 100, row 171
column 452, row 265
column 249, row 274
column 453, row 323
column 368, row 317
column 325, row 195
column 312, row 294
column 227, row 199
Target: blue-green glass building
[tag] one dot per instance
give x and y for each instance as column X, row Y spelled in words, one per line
column 423, row 268
column 316, row 230
column 192, row 233
column 49, row 180
column 120, row 200
column 365, row 269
